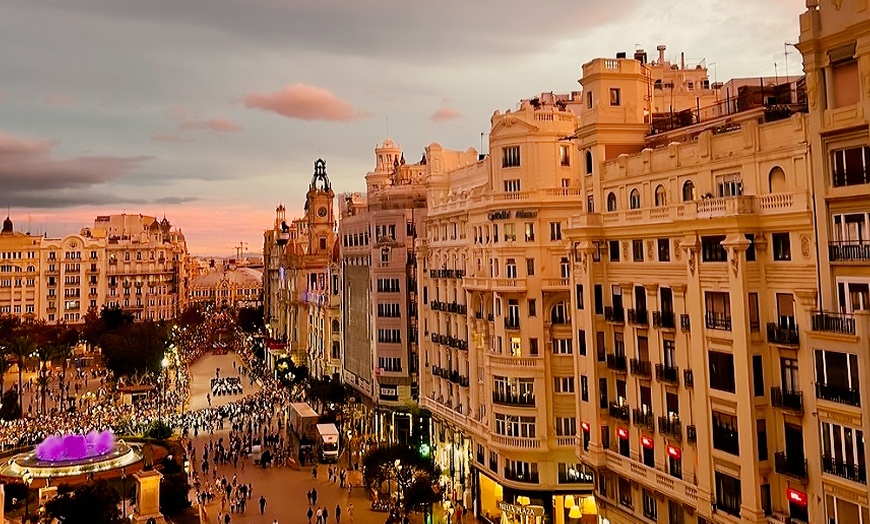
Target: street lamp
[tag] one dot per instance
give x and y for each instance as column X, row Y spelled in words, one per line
column 163, row 365
column 124, row 491
column 27, row 477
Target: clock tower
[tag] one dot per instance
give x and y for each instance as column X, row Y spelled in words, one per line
column 318, row 207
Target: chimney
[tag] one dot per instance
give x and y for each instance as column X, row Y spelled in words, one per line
column 661, row 50
column 640, row 56
column 620, row 54
column 682, row 60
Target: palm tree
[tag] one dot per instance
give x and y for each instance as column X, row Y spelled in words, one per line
column 44, row 352
column 4, row 367
column 21, row 347
column 67, row 338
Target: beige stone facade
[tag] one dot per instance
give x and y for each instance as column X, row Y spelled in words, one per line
column 228, row 286
column 300, row 284
column 380, row 274
column 140, row 268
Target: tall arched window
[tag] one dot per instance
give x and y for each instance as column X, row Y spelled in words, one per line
column 661, row 196
column 559, row 313
column 611, row 202
column 588, row 162
column 777, row 180
column 634, row 199
column 688, row 191
column 336, row 326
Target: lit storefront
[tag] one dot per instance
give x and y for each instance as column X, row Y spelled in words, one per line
column 498, row 504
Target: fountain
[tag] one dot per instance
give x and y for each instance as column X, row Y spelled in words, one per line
column 73, row 455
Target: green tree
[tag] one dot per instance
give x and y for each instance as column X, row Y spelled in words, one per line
column 94, row 502
column 10, row 409
column 44, row 352
column 250, row 319
column 290, row 374
column 135, row 348
column 415, row 476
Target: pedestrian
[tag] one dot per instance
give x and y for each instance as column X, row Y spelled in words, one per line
column 350, row 511
column 314, row 495
column 308, row 494
column 319, row 516
column 262, row 504
column 325, row 515
column 310, row 514
column 227, row 518
column 337, row 514
column 314, row 472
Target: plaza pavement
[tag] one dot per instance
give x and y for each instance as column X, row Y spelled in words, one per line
column 285, row 488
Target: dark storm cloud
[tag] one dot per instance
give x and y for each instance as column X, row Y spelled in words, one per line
column 421, row 31
column 27, row 164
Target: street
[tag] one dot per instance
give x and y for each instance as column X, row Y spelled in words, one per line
column 284, row 488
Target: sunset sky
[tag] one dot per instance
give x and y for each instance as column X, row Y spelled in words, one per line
column 212, row 112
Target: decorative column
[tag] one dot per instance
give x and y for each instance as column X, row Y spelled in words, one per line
column 148, row 498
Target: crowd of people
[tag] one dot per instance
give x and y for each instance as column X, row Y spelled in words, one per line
column 221, row 386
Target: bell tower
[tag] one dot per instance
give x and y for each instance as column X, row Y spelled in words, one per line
column 318, row 203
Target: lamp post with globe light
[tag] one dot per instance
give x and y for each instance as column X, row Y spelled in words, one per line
column 162, row 379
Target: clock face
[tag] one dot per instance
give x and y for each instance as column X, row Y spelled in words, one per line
column 322, row 212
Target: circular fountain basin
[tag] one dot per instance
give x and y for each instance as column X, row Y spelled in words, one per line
column 120, row 456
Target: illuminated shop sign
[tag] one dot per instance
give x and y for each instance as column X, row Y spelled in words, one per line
column 525, row 511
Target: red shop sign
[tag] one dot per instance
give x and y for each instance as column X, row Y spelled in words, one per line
column 622, row 432
column 674, row 452
column 647, row 442
column 796, row 497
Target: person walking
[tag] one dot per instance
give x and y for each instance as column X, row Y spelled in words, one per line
column 325, row 515
column 314, row 472
column 319, row 516
column 310, row 514
column 262, row 504
column 350, row 511
column 337, row 514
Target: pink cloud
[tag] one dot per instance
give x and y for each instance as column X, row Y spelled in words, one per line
column 305, row 102
column 59, row 100
column 170, row 137
column 445, row 114
column 27, row 163
column 218, row 125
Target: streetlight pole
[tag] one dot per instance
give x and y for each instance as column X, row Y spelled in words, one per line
column 124, row 492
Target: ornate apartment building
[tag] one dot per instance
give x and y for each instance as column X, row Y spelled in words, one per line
column 129, row 261
column 379, row 279
column 498, row 350
column 228, row 286
column 646, row 307
column 301, row 281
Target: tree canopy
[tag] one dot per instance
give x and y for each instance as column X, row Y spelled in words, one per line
column 415, row 475
column 86, row 504
column 251, row 319
column 135, row 348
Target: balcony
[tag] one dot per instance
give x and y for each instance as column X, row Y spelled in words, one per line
column 720, row 321
column 616, row 315
column 839, row 323
column 555, row 284
column 838, row 394
column 691, row 434
column 788, row 400
column 530, row 477
column 644, row 419
column 688, row 378
column 783, row 335
column 846, row 470
column 668, row 374
column 792, row 468
column 619, row 412
column 726, row 439
column 505, row 399
column 685, row 323
column 671, row 426
column 616, row 363
column 516, row 442
column 512, row 323
column 638, row 317
column 642, row 368
column 663, row 319
column 849, row 251
column 671, row 487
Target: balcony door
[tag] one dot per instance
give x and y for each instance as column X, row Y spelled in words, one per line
column 790, row 380
column 853, row 294
column 640, row 298
column 667, row 298
column 850, row 228
column 794, row 445
column 785, row 310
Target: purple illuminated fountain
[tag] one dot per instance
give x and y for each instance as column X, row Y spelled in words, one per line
column 71, row 448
